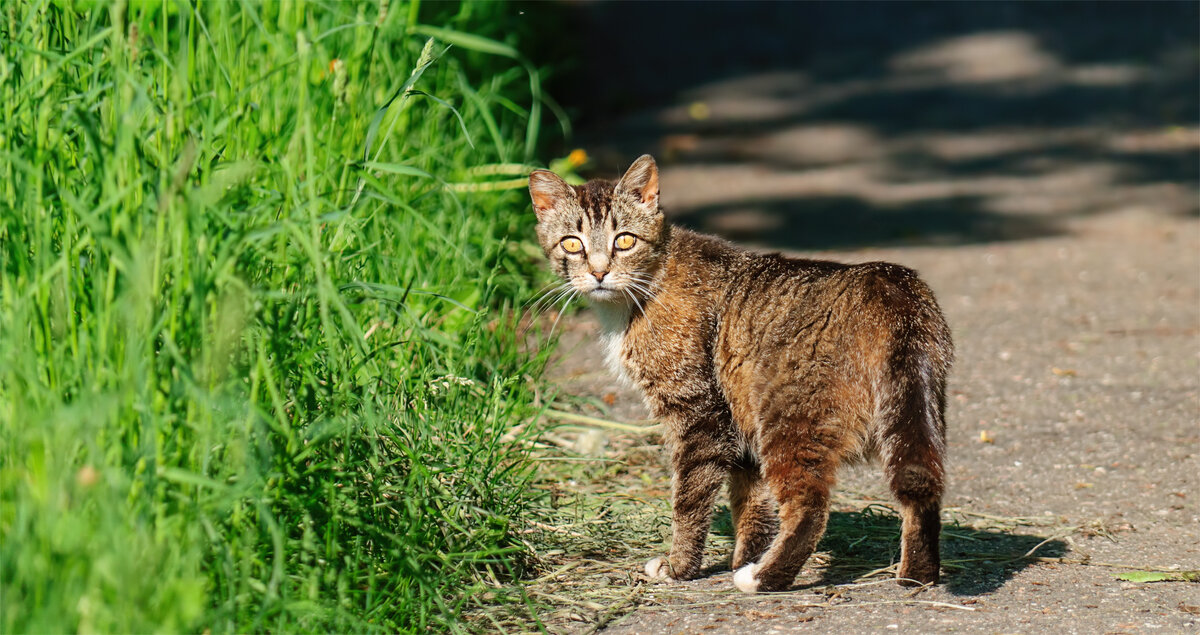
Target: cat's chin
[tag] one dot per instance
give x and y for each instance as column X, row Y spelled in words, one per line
column 608, row 296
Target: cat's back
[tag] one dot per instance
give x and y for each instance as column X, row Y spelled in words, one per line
column 785, row 316
column 772, row 290
column 772, row 299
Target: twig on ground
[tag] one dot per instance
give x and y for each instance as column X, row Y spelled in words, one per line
column 557, row 530
column 557, row 572
column 944, row 605
column 647, row 427
column 1092, row 563
column 1008, row 520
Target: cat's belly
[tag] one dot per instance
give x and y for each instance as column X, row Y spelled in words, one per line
column 797, row 391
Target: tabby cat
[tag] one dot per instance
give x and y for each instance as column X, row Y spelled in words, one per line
column 766, row 371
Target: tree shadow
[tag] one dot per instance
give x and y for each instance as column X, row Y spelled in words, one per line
column 835, row 222
column 954, row 123
column 649, row 65
column 974, row 560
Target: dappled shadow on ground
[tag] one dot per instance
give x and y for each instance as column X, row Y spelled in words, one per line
column 801, row 125
column 975, row 560
column 831, row 222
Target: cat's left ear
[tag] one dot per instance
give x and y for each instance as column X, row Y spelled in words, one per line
column 641, row 180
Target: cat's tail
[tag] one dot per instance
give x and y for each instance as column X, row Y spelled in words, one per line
column 912, row 429
column 911, row 423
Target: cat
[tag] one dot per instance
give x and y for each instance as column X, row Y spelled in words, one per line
column 766, row 371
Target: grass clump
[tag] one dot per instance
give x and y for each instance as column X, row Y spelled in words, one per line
column 257, row 369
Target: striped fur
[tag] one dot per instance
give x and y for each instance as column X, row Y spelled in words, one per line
column 768, row 372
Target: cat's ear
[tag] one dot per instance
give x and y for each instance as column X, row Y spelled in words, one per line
column 548, row 192
column 641, row 180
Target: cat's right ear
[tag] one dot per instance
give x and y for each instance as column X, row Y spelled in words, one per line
column 548, row 192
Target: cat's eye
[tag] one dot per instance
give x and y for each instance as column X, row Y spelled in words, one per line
column 572, row 245
column 625, row 241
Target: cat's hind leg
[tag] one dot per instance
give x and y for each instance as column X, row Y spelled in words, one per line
column 913, row 453
column 919, row 494
column 800, row 459
column 753, row 509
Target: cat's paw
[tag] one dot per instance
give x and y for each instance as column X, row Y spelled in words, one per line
column 918, row 576
column 658, row 569
column 746, row 579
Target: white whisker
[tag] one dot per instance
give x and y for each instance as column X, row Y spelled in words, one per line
column 547, row 300
column 552, row 296
column 566, row 304
column 641, row 309
column 649, row 282
column 541, row 293
column 641, row 288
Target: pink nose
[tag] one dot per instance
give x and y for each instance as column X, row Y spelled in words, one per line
column 599, row 275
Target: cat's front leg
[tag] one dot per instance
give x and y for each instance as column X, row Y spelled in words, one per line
column 698, row 466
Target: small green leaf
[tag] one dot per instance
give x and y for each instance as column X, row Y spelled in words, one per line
column 467, row 40
column 185, row 477
column 397, row 168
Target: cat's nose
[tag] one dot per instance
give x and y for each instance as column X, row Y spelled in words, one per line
column 599, row 275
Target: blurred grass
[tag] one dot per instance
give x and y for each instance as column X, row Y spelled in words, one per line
column 258, row 265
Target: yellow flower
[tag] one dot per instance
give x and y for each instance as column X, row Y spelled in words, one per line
column 577, row 157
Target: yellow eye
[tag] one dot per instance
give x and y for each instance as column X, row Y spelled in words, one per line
column 625, row 241
column 572, row 245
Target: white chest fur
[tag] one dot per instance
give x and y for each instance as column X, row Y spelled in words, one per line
column 614, row 319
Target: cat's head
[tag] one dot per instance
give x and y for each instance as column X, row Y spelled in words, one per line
column 606, row 239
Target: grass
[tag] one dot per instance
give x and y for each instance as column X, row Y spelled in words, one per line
column 258, row 271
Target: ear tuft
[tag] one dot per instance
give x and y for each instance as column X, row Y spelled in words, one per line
column 641, row 180
column 548, row 191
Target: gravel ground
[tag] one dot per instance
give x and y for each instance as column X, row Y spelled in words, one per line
column 1043, row 175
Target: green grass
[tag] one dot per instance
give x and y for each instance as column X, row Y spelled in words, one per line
column 257, row 351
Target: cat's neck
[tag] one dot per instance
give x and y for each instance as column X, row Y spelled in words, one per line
column 613, row 316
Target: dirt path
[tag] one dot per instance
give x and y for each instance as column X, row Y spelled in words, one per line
column 1042, row 175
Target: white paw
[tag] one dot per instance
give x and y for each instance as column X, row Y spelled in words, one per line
column 658, row 568
column 744, row 579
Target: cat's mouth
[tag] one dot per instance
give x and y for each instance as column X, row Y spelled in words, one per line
column 604, row 294
column 603, row 291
